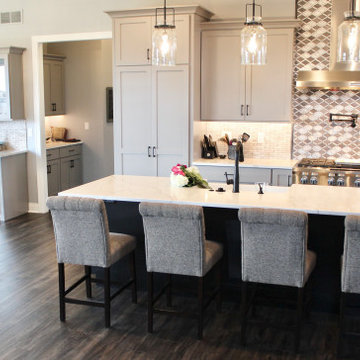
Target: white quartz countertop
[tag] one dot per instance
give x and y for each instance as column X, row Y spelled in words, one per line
column 258, row 163
column 6, row 153
column 59, row 144
column 313, row 199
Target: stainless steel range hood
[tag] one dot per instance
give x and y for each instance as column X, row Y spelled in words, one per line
column 340, row 76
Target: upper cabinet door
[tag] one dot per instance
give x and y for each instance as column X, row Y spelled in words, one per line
column 222, row 76
column 268, row 94
column 132, row 38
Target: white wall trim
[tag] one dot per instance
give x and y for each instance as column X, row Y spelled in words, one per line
column 39, row 114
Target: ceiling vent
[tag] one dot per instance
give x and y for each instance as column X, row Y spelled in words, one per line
column 11, row 17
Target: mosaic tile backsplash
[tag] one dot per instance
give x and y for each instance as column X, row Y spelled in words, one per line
column 14, row 134
column 313, row 134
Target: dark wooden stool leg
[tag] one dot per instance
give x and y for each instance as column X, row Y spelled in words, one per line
column 299, row 313
column 219, row 286
column 169, row 291
column 61, row 270
column 341, row 323
column 133, row 275
column 200, row 307
column 244, row 289
column 88, row 281
column 150, row 290
column 107, row 296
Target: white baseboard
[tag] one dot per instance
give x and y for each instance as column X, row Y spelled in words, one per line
column 34, row 208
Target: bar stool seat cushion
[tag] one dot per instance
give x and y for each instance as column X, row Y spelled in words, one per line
column 310, row 262
column 120, row 246
column 213, row 253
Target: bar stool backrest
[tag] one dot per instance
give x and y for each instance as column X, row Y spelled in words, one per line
column 273, row 244
column 174, row 238
column 81, row 230
column 350, row 275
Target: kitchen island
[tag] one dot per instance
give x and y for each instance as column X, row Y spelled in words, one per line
column 326, row 207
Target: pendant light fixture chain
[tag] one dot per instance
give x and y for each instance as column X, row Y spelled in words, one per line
column 165, row 25
column 253, row 10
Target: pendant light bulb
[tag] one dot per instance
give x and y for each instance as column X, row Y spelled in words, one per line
column 348, row 45
column 253, row 39
column 164, row 40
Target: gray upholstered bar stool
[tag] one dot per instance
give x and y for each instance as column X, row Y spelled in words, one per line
column 175, row 245
column 350, row 272
column 83, row 238
column 274, row 251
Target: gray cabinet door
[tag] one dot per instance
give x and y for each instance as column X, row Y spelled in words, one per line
column 71, row 172
column 281, row 177
column 53, row 176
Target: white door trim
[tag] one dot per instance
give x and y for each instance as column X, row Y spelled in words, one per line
column 39, row 113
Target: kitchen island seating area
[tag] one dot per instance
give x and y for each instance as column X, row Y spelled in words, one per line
column 83, row 238
column 286, row 245
column 175, row 245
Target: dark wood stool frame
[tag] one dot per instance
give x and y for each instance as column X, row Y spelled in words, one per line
column 202, row 305
column 302, row 301
column 342, row 333
column 89, row 280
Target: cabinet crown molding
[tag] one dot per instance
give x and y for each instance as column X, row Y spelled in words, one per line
column 191, row 9
column 269, row 23
column 12, row 50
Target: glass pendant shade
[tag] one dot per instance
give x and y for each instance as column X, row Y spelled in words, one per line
column 253, row 38
column 253, row 45
column 164, row 46
column 348, row 46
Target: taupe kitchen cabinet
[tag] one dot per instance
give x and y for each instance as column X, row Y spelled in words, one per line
column 133, row 36
column 13, row 185
column 248, row 175
column 231, row 91
column 11, row 84
column 54, row 93
column 153, row 104
column 281, row 177
column 64, row 168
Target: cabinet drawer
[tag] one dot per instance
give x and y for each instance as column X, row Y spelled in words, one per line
column 247, row 175
column 52, row 154
column 70, row 150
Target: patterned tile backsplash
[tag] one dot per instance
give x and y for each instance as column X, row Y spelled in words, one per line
column 313, row 134
column 14, row 134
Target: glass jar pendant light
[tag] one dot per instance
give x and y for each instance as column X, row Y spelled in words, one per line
column 164, row 39
column 348, row 47
column 253, row 38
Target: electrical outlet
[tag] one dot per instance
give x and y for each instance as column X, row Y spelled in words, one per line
column 261, row 137
column 86, row 126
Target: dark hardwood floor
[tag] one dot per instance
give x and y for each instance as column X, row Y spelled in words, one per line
column 30, row 326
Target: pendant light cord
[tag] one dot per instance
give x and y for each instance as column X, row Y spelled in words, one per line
column 164, row 12
column 253, row 8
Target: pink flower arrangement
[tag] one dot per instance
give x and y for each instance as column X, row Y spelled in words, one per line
column 181, row 176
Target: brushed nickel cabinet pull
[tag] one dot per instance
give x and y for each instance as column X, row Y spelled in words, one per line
column 242, row 110
column 149, row 151
column 154, row 151
column 247, row 110
column 148, row 54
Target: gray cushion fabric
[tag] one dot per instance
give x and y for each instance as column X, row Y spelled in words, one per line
column 350, row 273
column 175, row 240
column 274, row 247
column 82, row 232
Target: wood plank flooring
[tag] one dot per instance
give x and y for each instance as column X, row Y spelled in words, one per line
column 30, row 326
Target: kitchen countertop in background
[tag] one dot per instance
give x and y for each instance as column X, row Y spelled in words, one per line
column 5, row 153
column 259, row 163
column 58, row 144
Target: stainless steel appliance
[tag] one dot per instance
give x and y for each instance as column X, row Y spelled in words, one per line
column 327, row 172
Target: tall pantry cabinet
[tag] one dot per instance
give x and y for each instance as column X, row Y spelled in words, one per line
column 152, row 104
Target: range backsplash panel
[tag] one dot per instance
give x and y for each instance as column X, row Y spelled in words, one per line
column 313, row 134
